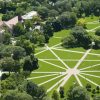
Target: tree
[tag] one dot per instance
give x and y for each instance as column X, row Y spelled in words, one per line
column 88, row 87
column 48, row 29
column 77, row 93
column 96, row 98
column 15, row 95
column 18, row 30
column 83, row 38
column 97, row 32
column 69, row 42
column 6, row 38
column 30, row 63
column 55, row 95
column 98, row 89
column 53, row 1
column 53, row 13
column 96, row 39
column 18, row 52
column 43, row 12
column 41, row 93
column 17, row 66
column 36, row 19
column 61, row 91
column 35, row 91
column 28, row 24
column 23, row 96
column 27, row 66
column 19, row 11
column 56, row 25
column 7, row 64
column 26, row 74
column 35, row 37
column 81, row 22
column 47, row 98
column 63, row 6
column 29, row 47
column 41, row 40
column 67, row 19
column 4, row 76
column 34, row 61
column 8, row 16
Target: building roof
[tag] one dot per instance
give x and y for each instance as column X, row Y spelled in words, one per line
column 12, row 22
column 30, row 15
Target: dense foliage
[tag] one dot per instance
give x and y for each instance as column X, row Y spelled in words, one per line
column 17, row 47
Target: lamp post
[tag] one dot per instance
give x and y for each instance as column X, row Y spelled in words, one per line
column 92, row 44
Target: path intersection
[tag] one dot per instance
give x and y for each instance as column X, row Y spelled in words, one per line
column 75, row 71
column 80, row 71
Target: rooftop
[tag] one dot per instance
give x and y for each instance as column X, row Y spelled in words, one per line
column 12, row 22
column 29, row 15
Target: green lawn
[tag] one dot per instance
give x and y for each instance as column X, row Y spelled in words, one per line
column 88, row 63
column 89, row 19
column 70, row 82
column 68, row 55
column 38, row 74
column 93, row 57
column 41, row 80
column 91, row 26
column 44, row 67
column 56, row 60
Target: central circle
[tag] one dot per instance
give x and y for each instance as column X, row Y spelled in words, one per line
column 73, row 71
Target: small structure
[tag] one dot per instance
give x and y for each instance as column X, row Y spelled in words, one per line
column 30, row 15
column 11, row 22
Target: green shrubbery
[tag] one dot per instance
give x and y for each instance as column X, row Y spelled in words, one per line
column 78, row 38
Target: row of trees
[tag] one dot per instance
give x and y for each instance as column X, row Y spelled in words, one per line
column 76, row 92
column 14, row 58
column 49, row 8
column 27, row 90
column 16, row 87
column 52, row 8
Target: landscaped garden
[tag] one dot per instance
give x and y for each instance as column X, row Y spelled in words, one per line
column 59, row 66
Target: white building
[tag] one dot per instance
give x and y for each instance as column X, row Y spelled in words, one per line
column 30, row 15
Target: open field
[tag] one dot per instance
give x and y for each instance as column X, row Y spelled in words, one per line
column 64, row 67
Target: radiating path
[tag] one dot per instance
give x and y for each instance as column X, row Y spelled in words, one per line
column 51, row 79
column 42, row 76
column 53, row 64
column 57, row 57
column 82, row 59
column 90, row 67
column 68, row 73
column 90, row 75
column 89, row 80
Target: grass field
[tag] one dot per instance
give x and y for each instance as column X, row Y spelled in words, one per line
column 65, row 67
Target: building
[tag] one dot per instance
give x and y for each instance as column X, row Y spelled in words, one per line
column 30, row 15
column 10, row 23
